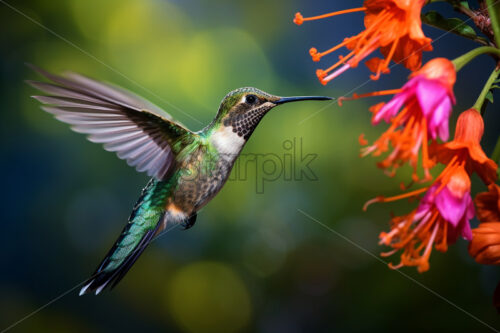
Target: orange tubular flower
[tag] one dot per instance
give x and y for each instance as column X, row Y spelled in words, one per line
column 393, row 26
column 465, row 149
column 488, row 204
column 485, row 244
column 419, row 112
column 446, row 209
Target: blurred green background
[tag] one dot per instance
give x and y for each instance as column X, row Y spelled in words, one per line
column 253, row 262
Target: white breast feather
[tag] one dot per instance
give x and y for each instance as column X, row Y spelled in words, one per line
column 227, row 142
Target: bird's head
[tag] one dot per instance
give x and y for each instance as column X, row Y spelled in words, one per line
column 243, row 108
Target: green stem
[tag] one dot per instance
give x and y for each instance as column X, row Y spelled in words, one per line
column 495, row 156
column 457, row 5
column 494, row 11
column 479, row 105
column 465, row 58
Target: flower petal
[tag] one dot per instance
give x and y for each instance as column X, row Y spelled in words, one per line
column 429, row 94
column 450, row 207
column 438, row 123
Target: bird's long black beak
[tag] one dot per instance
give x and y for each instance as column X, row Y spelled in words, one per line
column 301, row 98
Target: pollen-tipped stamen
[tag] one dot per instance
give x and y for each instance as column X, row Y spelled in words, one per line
column 393, row 198
column 365, row 50
column 316, row 56
column 424, row 259
column 370, row 94
column 361, row 51
column 398, row 266
column 299, row 19
column 361, row 139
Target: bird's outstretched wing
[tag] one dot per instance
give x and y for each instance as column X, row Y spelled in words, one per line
column 138, row 131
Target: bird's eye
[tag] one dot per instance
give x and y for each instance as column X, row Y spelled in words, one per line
column 250, row 99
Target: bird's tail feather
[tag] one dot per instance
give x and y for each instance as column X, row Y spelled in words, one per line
column 109, row 274
column 144, row 223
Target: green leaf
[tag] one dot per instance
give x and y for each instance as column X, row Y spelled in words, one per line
column 465, row 4
column 454, row 25
column 489, row 96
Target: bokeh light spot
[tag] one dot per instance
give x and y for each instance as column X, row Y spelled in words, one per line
column 212, row 66
column 208, row 297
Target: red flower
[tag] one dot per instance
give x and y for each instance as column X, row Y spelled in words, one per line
column 392, row 26
column 465, row 149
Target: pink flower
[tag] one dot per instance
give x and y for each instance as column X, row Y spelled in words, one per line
column 454, row 205
column 419, row 111
column 445, row 211
column 430, row 90
column 441, row 217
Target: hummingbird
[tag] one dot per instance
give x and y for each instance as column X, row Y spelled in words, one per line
column 187, row 168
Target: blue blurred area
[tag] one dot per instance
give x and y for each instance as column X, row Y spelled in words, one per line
column 253, row 262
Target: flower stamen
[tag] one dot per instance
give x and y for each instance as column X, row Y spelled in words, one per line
column 392, row 26
column 424, row 259
column 381, row 198
column 316, row 56
column 384, row 68
column 370, row 94
column 299, row 19
column 426, row 163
